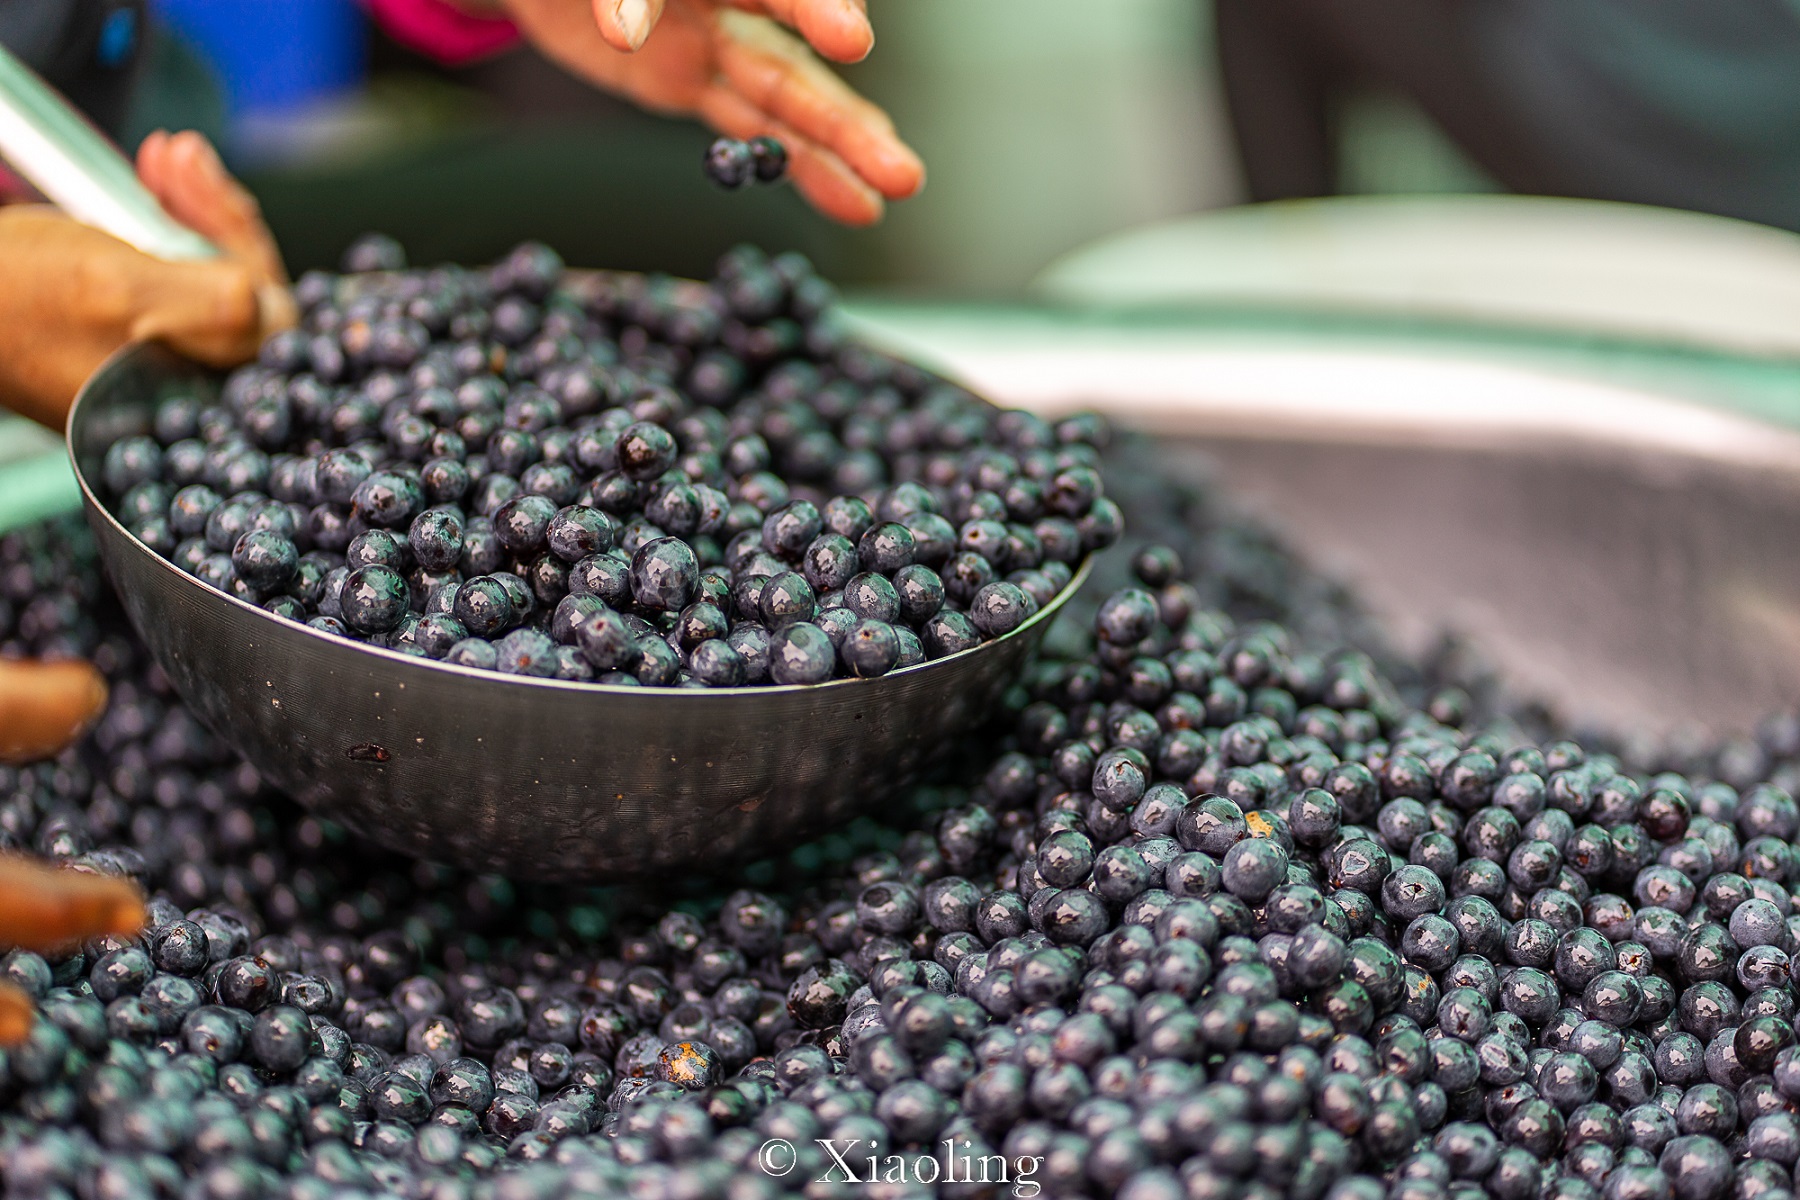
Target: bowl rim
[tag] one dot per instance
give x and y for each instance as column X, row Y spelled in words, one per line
column 139, row 351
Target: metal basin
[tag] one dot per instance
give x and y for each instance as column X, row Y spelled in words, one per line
column 530, row 777
column 1610, row 542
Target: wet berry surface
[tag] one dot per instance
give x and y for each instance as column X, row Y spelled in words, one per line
column 479, row 446
column 731, row 163
column 1230, row 902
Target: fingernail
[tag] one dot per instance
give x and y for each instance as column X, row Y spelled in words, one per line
column 275, row 309
column 900, row 160
column 854, row 16
column 210, row 155
column 203, row 156
column 634, row 19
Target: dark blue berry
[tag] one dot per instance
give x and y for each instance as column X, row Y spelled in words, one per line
column 800, row 652
column 768, row 156
column 730, row 163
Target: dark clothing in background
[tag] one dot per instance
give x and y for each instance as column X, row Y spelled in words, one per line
column 1690, row 104
column 89, row 50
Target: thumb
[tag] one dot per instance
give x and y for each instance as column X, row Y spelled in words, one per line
column 216, row 311
column 45, row 705
column 626, row 24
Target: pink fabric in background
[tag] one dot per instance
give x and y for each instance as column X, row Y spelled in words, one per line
column 446, row 33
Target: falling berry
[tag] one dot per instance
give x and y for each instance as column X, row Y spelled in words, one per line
column 771, row 159
column 730, row 163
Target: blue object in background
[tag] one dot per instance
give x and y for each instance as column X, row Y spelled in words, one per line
column 273, row 56
column 118, row 37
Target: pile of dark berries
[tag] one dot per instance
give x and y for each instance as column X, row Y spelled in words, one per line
column 614, row 478
column 1217, row 910
column 732, row 163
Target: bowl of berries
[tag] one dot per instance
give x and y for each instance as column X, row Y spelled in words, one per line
column 582, row 575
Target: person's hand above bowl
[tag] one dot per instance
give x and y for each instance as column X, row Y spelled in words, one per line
column 731, row 63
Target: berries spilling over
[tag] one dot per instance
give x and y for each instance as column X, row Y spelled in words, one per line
column 613, row 478
column 1225, row 909
column 732, row 163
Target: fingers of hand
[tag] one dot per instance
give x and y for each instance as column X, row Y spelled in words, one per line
column 775, row 73
column 626, row 24
column 15, row 1015
column 821, row 176
column 837, row 29
column 45, row 705
column 184, row 172
column 45, row 908
column 212, row 311
column 77, row 294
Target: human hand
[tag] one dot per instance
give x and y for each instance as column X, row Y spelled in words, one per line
column 183, row 172
column 48, row 908
column 837, row 29
column 729, row 63
column 74, row 295
column 44, row 706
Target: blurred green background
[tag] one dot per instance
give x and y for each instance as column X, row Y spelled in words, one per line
column 1045, row 123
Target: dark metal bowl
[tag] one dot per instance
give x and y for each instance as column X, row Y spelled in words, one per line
column 530, row 777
